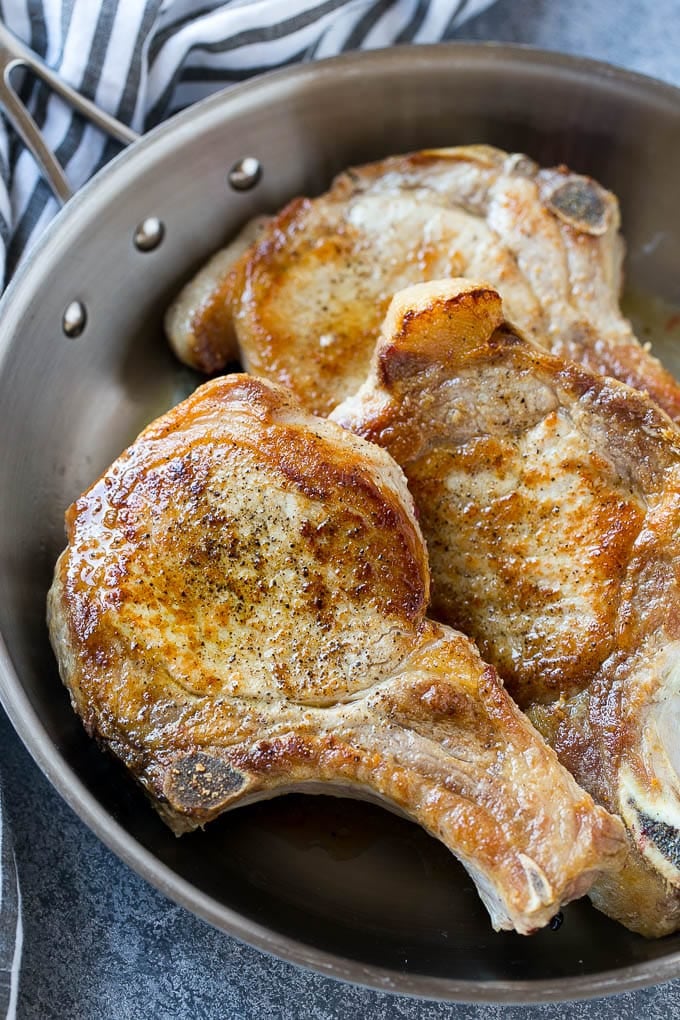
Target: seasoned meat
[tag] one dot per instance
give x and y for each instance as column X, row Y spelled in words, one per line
column 549, row 498
column 305, row 302
column 240, row 612
column 209, row 344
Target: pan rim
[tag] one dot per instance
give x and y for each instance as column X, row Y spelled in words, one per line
column 13, row 697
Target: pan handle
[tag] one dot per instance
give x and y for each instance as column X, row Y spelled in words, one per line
column 14, row 54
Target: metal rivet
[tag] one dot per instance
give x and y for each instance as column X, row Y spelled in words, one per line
column 245, row 174
column 74, row 319
column 149, row 234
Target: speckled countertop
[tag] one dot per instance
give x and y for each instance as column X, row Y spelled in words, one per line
column 100, row 942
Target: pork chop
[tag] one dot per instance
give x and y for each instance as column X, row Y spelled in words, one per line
column 240, row 612
column 549, row 498
column 305, row 303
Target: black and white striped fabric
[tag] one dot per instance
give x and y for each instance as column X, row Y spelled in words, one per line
column 11, row 932
column 142, row 60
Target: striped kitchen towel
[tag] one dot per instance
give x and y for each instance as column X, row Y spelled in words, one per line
column 10, row 921
column 143, row 60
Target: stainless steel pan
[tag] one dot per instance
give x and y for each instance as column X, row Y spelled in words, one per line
column 343, row 888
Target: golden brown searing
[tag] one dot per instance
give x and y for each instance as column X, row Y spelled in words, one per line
column 240, row 612
column 304, row 304
column 549, row 498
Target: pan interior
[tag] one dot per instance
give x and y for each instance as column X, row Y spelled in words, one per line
column 319, row 873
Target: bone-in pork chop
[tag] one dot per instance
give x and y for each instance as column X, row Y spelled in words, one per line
column 549, row 498
column 240, row 612
column 303, row 306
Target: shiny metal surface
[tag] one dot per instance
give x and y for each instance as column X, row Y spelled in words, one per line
column 338, row 886
column 74, row 319
column 245, row 173
column 149, row 234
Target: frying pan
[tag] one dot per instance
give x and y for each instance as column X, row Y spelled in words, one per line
column 343, row 888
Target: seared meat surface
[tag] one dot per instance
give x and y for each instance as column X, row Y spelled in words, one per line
column 303, row 306
column 213, row 345
column 549, row 498
column 240, row 612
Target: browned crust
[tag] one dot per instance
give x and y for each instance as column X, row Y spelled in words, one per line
column 213, row 328
column 454, row 325
column 588, row 218
column 213, row 323
column 167, row 474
